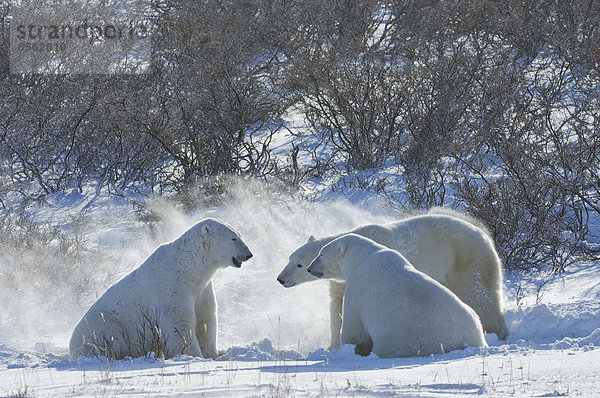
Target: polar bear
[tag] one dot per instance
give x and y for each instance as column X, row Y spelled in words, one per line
column 390, row 308
column 167, row 305
column 445, row 245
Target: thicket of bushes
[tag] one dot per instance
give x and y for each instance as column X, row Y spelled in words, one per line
column 490, row 106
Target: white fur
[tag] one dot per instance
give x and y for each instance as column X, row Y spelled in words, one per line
column 390, row 308
column 450, row 249
column 169, row 297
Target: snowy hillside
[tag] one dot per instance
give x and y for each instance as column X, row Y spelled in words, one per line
column 273, row 338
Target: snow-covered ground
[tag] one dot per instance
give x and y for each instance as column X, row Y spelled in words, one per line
column 273, row 338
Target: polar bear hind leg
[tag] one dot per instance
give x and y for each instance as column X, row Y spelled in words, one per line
column 336, row 293
column 353, row 330
column 483, row 295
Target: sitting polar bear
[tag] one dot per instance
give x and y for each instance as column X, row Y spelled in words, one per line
column 442, row 244
column 390, row 308
column 167, row 305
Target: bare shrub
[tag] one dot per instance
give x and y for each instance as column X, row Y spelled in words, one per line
column 149, row 339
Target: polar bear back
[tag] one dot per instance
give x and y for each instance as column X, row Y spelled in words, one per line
column 432, row 243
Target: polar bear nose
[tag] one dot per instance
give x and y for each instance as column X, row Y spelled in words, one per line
column 248, row 257
column 280, row 281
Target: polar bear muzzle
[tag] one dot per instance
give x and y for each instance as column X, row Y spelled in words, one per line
column 237, row 262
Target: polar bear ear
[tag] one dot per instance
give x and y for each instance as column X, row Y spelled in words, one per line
column 204, row 230
column 311, row 238
column 341, row 247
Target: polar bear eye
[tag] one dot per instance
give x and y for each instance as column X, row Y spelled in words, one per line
column 234, row 239
column 299, row 265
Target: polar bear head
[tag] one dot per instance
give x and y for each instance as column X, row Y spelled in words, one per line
column 294, row 272
column 339, row 254
column 220, row 244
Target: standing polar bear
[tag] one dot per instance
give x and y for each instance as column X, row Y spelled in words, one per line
column 390, row 308
column 167, row 305
column 448, row 248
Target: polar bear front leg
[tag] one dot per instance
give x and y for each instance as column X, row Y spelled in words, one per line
column 336, row 293
column 353, row 330
column 184, row 340
column 206, row 322
column 194, row 348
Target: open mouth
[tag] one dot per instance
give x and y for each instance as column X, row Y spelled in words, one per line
column 236, row 262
